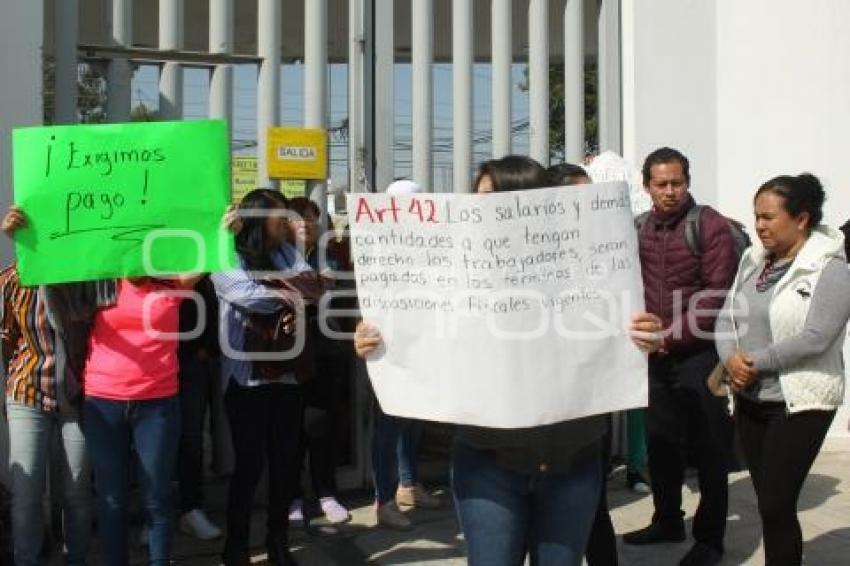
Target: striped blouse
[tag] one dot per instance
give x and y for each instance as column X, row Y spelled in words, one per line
column 29, row 344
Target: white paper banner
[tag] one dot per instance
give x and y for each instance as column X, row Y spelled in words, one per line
column 503, row 310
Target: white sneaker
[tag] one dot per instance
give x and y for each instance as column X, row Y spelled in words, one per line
column 296, row 513
column 195, row 523
column 334, row 511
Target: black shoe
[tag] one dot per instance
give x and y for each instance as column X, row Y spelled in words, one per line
column 637, row 482
column 231, row 557
column 702, row 554
column 655, row 533
column 279, row 553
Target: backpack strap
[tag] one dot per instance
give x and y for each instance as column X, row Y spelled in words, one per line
column 693, row 220
column 641, row 220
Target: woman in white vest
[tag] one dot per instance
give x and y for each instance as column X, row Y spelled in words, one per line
column 780, row 336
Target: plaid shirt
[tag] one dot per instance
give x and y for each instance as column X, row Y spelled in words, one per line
column 28, row 344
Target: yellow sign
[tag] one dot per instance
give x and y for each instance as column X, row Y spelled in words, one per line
column 244, row 175
column 244, row 169
column 297, row 153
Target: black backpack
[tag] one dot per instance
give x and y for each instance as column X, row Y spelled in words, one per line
column 692, row 231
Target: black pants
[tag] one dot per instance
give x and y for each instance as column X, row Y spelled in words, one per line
column 780, row 449
column 683, row 414
column 602, row 544
column 318, row 438
column 265, row 423
column 197, row 378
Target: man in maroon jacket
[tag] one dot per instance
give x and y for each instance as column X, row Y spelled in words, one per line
column 685, row 287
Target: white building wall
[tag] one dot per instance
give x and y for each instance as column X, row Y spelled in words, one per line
column 748, row 89
column 783, row 97
column 669, row 86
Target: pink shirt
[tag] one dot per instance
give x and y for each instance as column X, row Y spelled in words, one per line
column 127, row 361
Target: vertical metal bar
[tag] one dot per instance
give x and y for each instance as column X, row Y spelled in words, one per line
column 422, row 54
column 66, row 32
column 462, row 55
column 574, row 144
column 171, row 74
column 119, row 25
column 538, row 79
column 221, row 76
column 268, row 81
column 384, row 94
column 221, row 106
column 501, row 59
column 315, row 63
column 609, row 76
column 370, row 102
column 356, row 86
column 316, row 83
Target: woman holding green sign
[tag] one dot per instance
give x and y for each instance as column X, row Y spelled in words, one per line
column 132, row 404
column 123, row 334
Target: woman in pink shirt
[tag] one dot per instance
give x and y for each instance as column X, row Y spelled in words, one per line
column 132, row 406
column 132, row 403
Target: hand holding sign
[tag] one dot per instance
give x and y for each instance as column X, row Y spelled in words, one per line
column 13, row 221
column 121, row 200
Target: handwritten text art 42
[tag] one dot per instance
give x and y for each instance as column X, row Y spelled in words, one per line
column 502, row 310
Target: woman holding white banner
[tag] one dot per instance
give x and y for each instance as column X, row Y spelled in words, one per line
column 526, row 491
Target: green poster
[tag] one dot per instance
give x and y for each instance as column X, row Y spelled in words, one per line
column 122, row 200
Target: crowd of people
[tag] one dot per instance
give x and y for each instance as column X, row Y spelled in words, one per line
column 95, row 366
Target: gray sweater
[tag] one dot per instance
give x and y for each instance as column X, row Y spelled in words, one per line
column 825, row 323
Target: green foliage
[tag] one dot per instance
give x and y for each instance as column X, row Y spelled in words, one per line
column 141, row 113
column 557, row 108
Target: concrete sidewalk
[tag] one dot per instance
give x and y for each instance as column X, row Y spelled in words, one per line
column 825, row 515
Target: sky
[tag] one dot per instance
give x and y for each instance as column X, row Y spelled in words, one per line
column 196, row 104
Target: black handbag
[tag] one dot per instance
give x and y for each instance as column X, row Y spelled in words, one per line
column 266, row 334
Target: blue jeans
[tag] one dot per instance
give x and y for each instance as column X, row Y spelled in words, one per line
column 113, row 429
column 30, row 434
column 504, row 514
column 394, row 446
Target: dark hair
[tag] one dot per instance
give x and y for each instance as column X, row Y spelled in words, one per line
column 803, row 193
column 665, row 155
column 512, row 173
column 565, row 174
column 252, row 242
column 300, row 205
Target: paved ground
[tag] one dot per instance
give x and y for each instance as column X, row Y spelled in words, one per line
column 825, row 515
